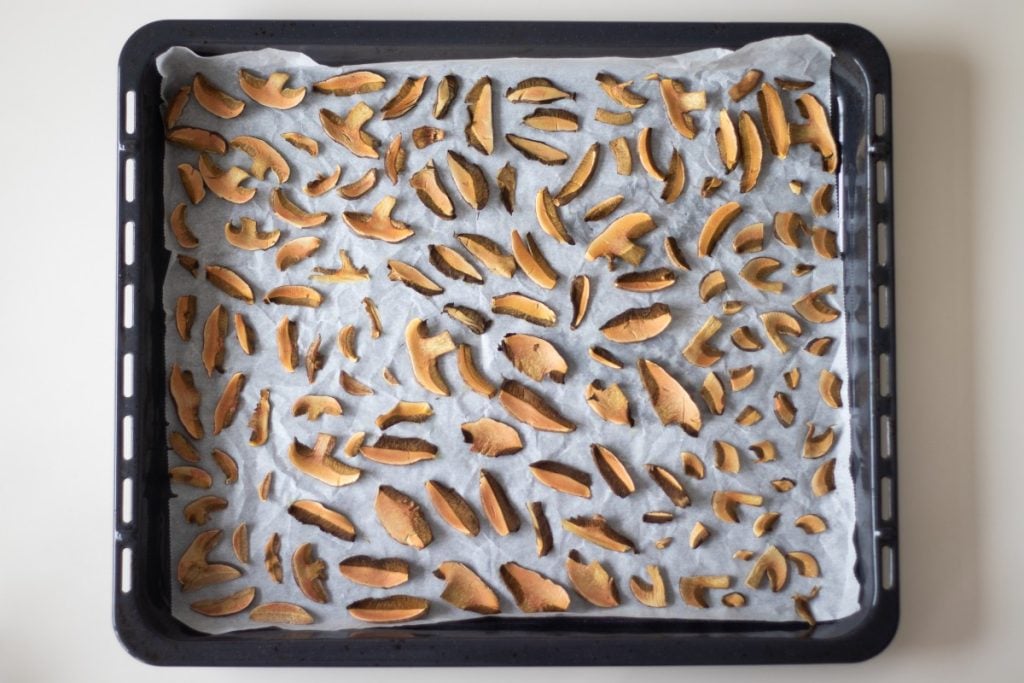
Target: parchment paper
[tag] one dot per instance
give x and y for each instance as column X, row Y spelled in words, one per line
column 799, row 57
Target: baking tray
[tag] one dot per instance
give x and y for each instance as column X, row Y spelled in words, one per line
column 862, row 118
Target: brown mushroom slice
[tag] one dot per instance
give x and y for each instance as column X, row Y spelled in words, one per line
column 612, row 470
column 431, row 192
column 192, row 183
column 535, row 150
column 693, row 466
column 816, row 132
column 402, row 518
column 272, row 558
column 825, row 243
column 578, row 181
column 785, row 411
column 623, row 157
column 525, row 308
column 751, row 152
column 318, row 463
column 757, row 270
column 399, row 450
column 404, row 411
column 532, row 591
column 348, row 272
column 259, row 421
column 294, row 295
column 195, row 477
column 323, row 183
column 281, row 613
column 637, row 324
column 541, row 528
column 717, row 223
column 287, row 335
column 454, row 265
column 479, row 106
column 491, row 438
column 597, row 530
column 821, row 200
column 324, row 518
column 535, row 357
column 180, row 444
column 264, row 158
column 214, row 100
column 741, row 378
column 186, row 399
column 698, row 534
column 351, row 83
column 552, row 120
column 616, row 241
column 671, row 402
column 215, row 331
column 814, row 309
column 385, row 572
column 453, row 508
column 496, row 506
column 298, row 250
column 475, row 321
column 770, row 565
column 610, row 404
column 710, row 186
column 713, row 393
column 783, row 485
column 749, row 239
column 357, row 188
column 579, row 293
column 658, row 517
column 378, row 224
column 270, row 91
column 180, row 229
column 531, row 409
column 823, row 480
column 225, row 184
column 447, row 91
column 472, row 376
column 765, row 522
column 389, row 377
column 348, row 131
column 678, row 103
column 303, row 142
column 675, row 178
column 506, row 180
column 248, row 236
column 805, row 564
column 562, row 477
column 725, row 504
column 176, row 106
column 407, row 97
column 227, row 404
column 647, row 280
column 728, row 142
column 711, row 285
column 424, row 350
column 830, row 386
column 314, row 406
column 675, row 253
column 727, row 457
column 291, row 213
column 619, row 92
column 651, row 594
column 388, row 610
column 748, row 416
column 603, row 208
column 488, row 252
column 817, row 445
column 314, row 360
column 778, row 324
column 792, row 378
column 810, row 524
column 773, row 116
column 547, row 217
column 789, row 228
column 764, row 451
column 465, row 590
column 227, row 605
column 694, row 589
column 469, row 180
column 592, row 582
column 670, row 485
column 605, row 357
column 413, row 278
column 645, row 152
column 819, row 346
column 537, row 91
column 197, row 139
column 310, row 573
column 195, row 571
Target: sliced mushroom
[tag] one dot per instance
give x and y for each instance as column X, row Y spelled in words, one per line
column 745, row 339
column 324, row 518
column 240, row 543
column 180, row 444
column 764, row 451
column 313, row 406
column 287, row 344
column 453, row 264
column 408, row 95
column 728, row 142
column 314, row 359
column 473, row 378
column 698, row 534
column 713, row 393
column 496, row 506
column 198, row 139
column 819, row 346
column 402, row 518
column 192, row 183
column 694, row 589
column 447, row 91
column 264, row 158
column 823, row 480
column 310, row 573
column 432, row 193
column 249, row 237
column 716, row 224
column 711, row 285
column 646, row 281
column 821, row 200
column 294, row 295
column 773, row 116
column 214, row 100
column 710, row 186
column 547, row 217
column 579, row 293
column 284, row 613
column 186, row 399
column 489, row 253
column 765, row 522
column 259, row 421
column 525, row 308
column 185, row 315
column 805, row 564
column 605, row 357
column 507, row 186
column 263, row 488
column 225, row 184
column 532, row 261
column 779, row 323
column 552, row 120
column 424, row 351
column 693, row 466
column 379, row 224
column 579, row 179
column 537, row 91
column 727, row 457
column 388, row 610
column 603, row 209
column 466, row 590
column 270, row 91
column 354, row 443
column 671, row 402
column 404, row 411
column 291, row 213
column 612, row 470
column 751, row 152
column 227, row 404
column 645, row 152
column 613, row 118
column 469, row 180
column 303, row 142
column 725, row 504
column 757, row 270
column 699, row 350
column 351, row 83
column 652, row 594
column 620, row 92
column 610, row 404
column 532, row 591
column 348, row 131
column 296, row 251
column 675, row 178
column 413, row 278
column 272, row 558
column 814, row 309
column 323, row 183
column 830, row 386
column 783, row 485
column 475, row 321
column 637, row 324
column 479, row 106
column 318, row 462
column 562, row 477
column 816, row 132
column 199, row 510
column 386, row 572
column 785, row 411
column 227, row 605
column 194, row 569
column 180, row 229
column 541, row 528
column 741, row 378
column 671, row 486
column 535, row 357
column 348, row 272
column 176, row 106
column 591, row 581
column 678, row 104
column 810, row 524
column 535, row 150
column 357, row 188
column 817, row 445
column 531, row 409
column 771, row 565
column 597, row 530
column 399, row 450
column 453, row 508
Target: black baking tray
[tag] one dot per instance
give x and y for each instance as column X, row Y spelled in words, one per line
column 861, row 85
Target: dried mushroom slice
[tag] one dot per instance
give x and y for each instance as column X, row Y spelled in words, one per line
column 507, row 187
column 694, row 589
column 610, row 404
column 248, row 236
column 360, row 186
column 214, row 100
column 717, row 223
column 194, row 569
column 310, row 573
column 675, row 178
column 810, row 524
column 817, row 132
column 592, row 582
column 612, row 470
column 302, row 142
column 180, row 229
column 264, row 158
column 389, row 610
column 431, row 192
column 579, row 179
column 535, row 150
column 454, row 265
column 453, row 508
column 225, row 184
column 805, row 564
column 180, row 444
column 535, row 357
column 619, row 91
column 603, row 208
column 196, row 477
column 404, row 411
column 287, row 334
column 537, row 91
column 473, row 320
column 821, row 200
column 764, row 451
column 479, row 106
column 551, row 120
column 756, row 272
column 813, row 308
column 348, row 131
column 525, row 308
column 270, row 91
column 770, row 565
column 547, row 217
column 295, row 251
column 378, row 224
column 192, row 183
column 745, row 339
column 623, row 157
column 318, row 462
column 408, row 95
column 597, row 530
column 605, row 357
column 447, row 92
column 227, row 605
column 645, row 152
column 185, row 315
column 637, row 324
column 466, row 590
column 259, row 421
column 531, row 409
column 532, row 591
column 675, row 253
column 314, row 406
column 728, row 141
column 491, row 438
column 399, row 450
column 394, row 158
column 197, row 139
column 789, row 228
column 678, row 105
column 293, row 214
column 713, row 393
column 823, row 481
column 272, row 558
column 711, row 285
column 778, row 324
column 472, row 376
column 281, row 613
column 709, row 186
column 818, row 346
column 579, row 293
column 725, row 504
column 176, row 106
column 653, row 280
column 351, row 83
column 413, row 278
column 385, row 572
column 402, row 518
column 227, row 404
column 698, row 534
column 751, row 152
column 324, row 518
column 186, row 399
column 773, row 116
column 785, row 411
column 294, row 295
column 496, row 506
column 562, row 478
column 817, row 445
column 671, row 402
column 693, row 466
column 323, row 183
column 765, row 522
column 783, row 485
column 489, row 253
column 469, row 180
column 424, row 350
column 830, row 386
column 651, row 594
column 670, row 485
column 541, row 527
column 825, row 243
column 347, row 272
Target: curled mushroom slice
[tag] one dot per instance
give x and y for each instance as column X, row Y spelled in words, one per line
column 180, row 444
column 751, row 152
column 671, row 486
column 592, row 582
column 453, row 508
column 360, row 186
column 195, row 571
column 717, row 223
column 287, row 334
column 824, row 242
column 480, row 129
column 402, row 518
column 745, row 339
column 351, row 83
column 785, row 411
column 620, row 92
column 605, row 357
column 314, row 406
column 185, row 315
column 431, row 192
column 675, row 179
column 507, row 186
column 814, row 309
column 405, row 411
column 597, row 530
column 757, row 270
column 616, row 241
column 562, row 477
column 424, row 350
column 227, row 404
column 637, row 324
column 810, row 524
column 323, row 183
column 693, row 466
column 303, row 142
column 612, row 470
column 259, row 421
column 711, row 285
column 652, row 594
column 741, row 378
column 773, row 116
column 525, row 308
column 408, row 95
column 694, row 589
column 535, row 357
column 765, row 522
column 532, row 591
column 764, row 451
column 385, row 572
column 817, row 445
column 816, row 132
column 399, row 450
column 610, row 404
column 472, row 376
column 728, row 142
column 671, row 402
column 186, row 399
column 645, row 152
column 547, row 217
column 318, row 462
column 789, row 228
column 388, row 610
column 778, row 324
column 579, row 179
column 196, row 477
column 552, row 120
column 324, row 518
column 603, row 208
column 749, row 239
column 771, row 565
column 488, row 252
column 454, row 265
column 192, row 183
column 819, row 346
column 491, row 438
column 248, row 236
column 198, row 139
column 623, row 157
column 830, row 386
column 749, row 416
column 537, row 91
column 823, row 481
column 284, row 613
column 579, row 293
column 310, row 573
column 447, row 91
column 698, row 534
column 272, row 558
column 699, row 350
column 214, row 100
column 783, row 485
column 647, row 280
column 713, row 393
column 295, row 251
column 264, row 158
column 348, row 131
column 378, row 224
column 821, row 200
column 225, row 184
column 348, row 272
column 294, row 295
column 413, row 278
column 465, row 590
column 531, row 409
column 678, row 103
column 496, row 506
column 227, row 605
column 291, row 213
column 805, row 564
column 263, row 489
column 314, row 360
column 541, row 528
column 181, row 230
column 469, row 180
column 270, row 91
column 709, row 186
column 535, row 150
column 475, row 321
column 176, row 106
column 725, row 504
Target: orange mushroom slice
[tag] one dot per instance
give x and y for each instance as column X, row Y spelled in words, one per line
column 470, row 374
column 198, row 139
column 281, row 613
column 323, row 183
column 751, row 152
column 348, row 131
column 617, row 240
column 270, row 91
column 694, row 589
column 814, row 309
column 717, row 223
column 592, row 581
column 192, row 183
column 227, row 605
column 291, row 213
column 597, row 530
column 532, row 591
column 310, row 573
column 294, row 295
column 465, row 589
column 479, row 106
column 454, row 265
column 757, row 270
column 259, row 421
column 678, row 103
column 264, row 158
column 496, row 506
column 424, row 351
column 318, row 462
column 225, row 184
column 562, row 478
column 313, row 406
column 227, row 404
column 385, row 572
column 180, row 229
column 214, row 100
column 535, row 150
column 186, row 399
column 347, row 272
column 537, row 91
column 360, row 186
column 469, row 179
column 525, row 308
column 431, row 192
column 379, row 224
column 771, row 565
column 609, row 403
column 651, row 594
column 773, row 116
column 491, row 438
column 670, row 485
column 547, row 217
column 413, row 278
column 194, row 570
column 453, row 508
column 535, row 357
column 324, row 518
column 407, row 97
column 612, row 470
column 725, row 504
column 531, row 409
column 579, row 179
column 489, row 253
column 295, row 251
column 402, row 518
column 399, row 450
column 532, row 261
column 351, row 83
column 816, row 132
column 637, row 324
column 778, row 324
column 728, row 141
column 552, row 120
column 389, row 610
column 671, row 402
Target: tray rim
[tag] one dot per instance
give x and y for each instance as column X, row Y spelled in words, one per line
column 637, row 642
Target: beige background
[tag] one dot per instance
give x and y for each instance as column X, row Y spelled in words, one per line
column 959, row 240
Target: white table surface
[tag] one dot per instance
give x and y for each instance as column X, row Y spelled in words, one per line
column 959, row 245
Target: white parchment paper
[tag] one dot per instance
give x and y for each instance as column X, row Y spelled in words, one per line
column 714, row 70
